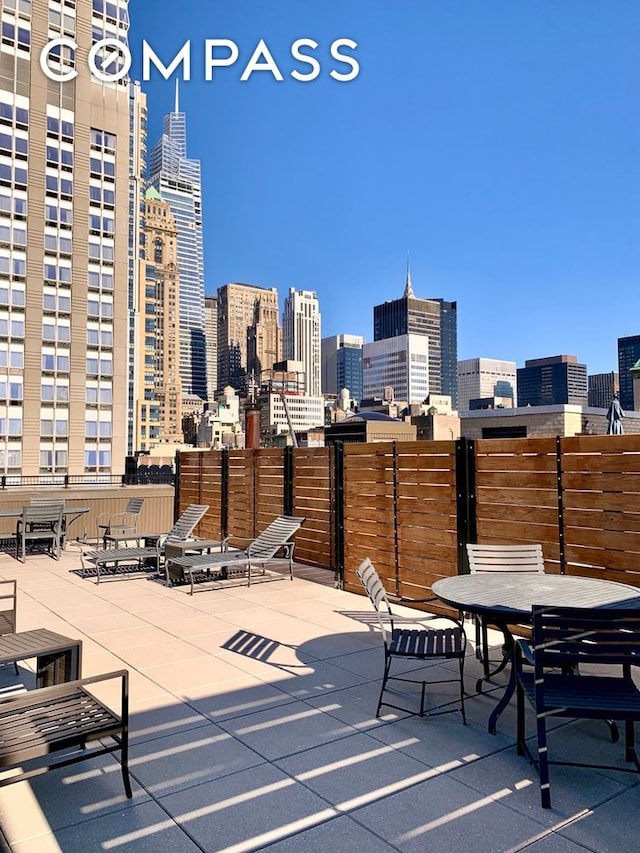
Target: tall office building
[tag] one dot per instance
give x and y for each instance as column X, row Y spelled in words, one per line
column 400, row 363
column 238, row 307
column 341, row 364
column 211, row 343
column 552, row 381
column 301, row 335
column 264, row 340
column 137, row 177
column 601, row 388
column 628, row 355
column 436, row 318
column 177, row 178
column 481, row 378
column 159, row 400
column 64, row 215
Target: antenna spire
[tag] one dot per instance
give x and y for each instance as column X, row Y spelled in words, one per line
column 408, row 288
column 177, row 104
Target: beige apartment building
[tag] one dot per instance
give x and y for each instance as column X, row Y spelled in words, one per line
column 64, row 244
column 159, row 400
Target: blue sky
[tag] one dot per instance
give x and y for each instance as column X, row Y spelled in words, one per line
column 499, row 141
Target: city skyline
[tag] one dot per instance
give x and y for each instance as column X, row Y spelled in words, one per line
column 496, row 141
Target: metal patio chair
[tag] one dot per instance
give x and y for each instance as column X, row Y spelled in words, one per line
column 569, row 639
column 120, row 526
column 40, row 523
column 500, row 558
column 413, row 637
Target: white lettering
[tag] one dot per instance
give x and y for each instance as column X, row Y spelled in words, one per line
column 347, row 60
column 149, row 57
column 212, row 61
column 57, row 77
column 269, row 63
column 308, row 60
column 109, row 59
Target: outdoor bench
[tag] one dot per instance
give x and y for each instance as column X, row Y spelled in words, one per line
column 66, row 717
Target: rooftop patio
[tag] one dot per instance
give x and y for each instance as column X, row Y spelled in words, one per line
column 252, row 728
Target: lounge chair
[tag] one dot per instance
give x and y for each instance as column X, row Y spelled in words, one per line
column 274, row 543
column 148, row 557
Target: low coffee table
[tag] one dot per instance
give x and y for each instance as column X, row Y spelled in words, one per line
column 59, row 658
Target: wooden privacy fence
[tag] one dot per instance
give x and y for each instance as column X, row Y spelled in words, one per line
column 413, row 506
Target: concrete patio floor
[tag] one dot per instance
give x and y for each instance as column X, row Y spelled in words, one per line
column 252, row 729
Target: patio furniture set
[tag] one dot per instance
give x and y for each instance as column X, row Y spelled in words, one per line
column 62, row 714
column 577, row 663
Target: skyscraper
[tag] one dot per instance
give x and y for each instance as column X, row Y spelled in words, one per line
column 240, row 306
column 159, row 401
column 211, row 343
column 628, row 355
column 435, row 318
column 601, row 388
column 341, row 359
column 552, row 381
column 401, row 363
column 177, row 178
column 301, row 335
column 64, row 228
column 485, row 377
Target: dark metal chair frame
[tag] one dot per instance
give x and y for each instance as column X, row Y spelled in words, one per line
column 411, row 637
column 568, row 639
column 120, row 524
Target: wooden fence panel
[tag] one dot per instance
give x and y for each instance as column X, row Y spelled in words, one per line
column 313, row 498
column 241, row 503
column 269, row 489
column 426, row 515
column 369, row 524
column 601, row 497
column 517, row 494
column 210, row 493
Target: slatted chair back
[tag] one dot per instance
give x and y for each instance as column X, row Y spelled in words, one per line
column 377, row 594
column 505, row 558
column 40, row 522
column 134, row 506
column 278, row 533
column 569, row 636
column 185, row 525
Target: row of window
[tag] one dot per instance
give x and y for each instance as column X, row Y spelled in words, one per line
column 60, row 129
column 14, row 35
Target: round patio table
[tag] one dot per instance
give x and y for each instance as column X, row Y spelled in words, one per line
column 505, row 598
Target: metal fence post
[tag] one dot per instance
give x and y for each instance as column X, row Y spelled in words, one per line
column 465, row 451
column 224, row 493
column 338, row 515
column 561, row 543
column 176, row 489
column 288, row 474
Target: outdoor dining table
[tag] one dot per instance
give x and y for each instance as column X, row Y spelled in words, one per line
column 70, row 514
column 506, row 598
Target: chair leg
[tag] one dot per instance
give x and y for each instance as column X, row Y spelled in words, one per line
column 543, row 761
column 385, row 678
column 520, row 733
column 464, row 716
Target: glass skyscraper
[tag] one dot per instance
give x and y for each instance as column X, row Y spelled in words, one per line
column 178, row 180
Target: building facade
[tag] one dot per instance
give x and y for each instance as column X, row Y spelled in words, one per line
column 341, row 365
column 628, row 355
column 211, row 343
column 159, row 401
column 237, row 307
column 485, row 377
column 64, row 232
column 401, row 363
column 601, row 388
column 552, row 381
column 301, row 335
column 435, row 318
column 178, row 180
